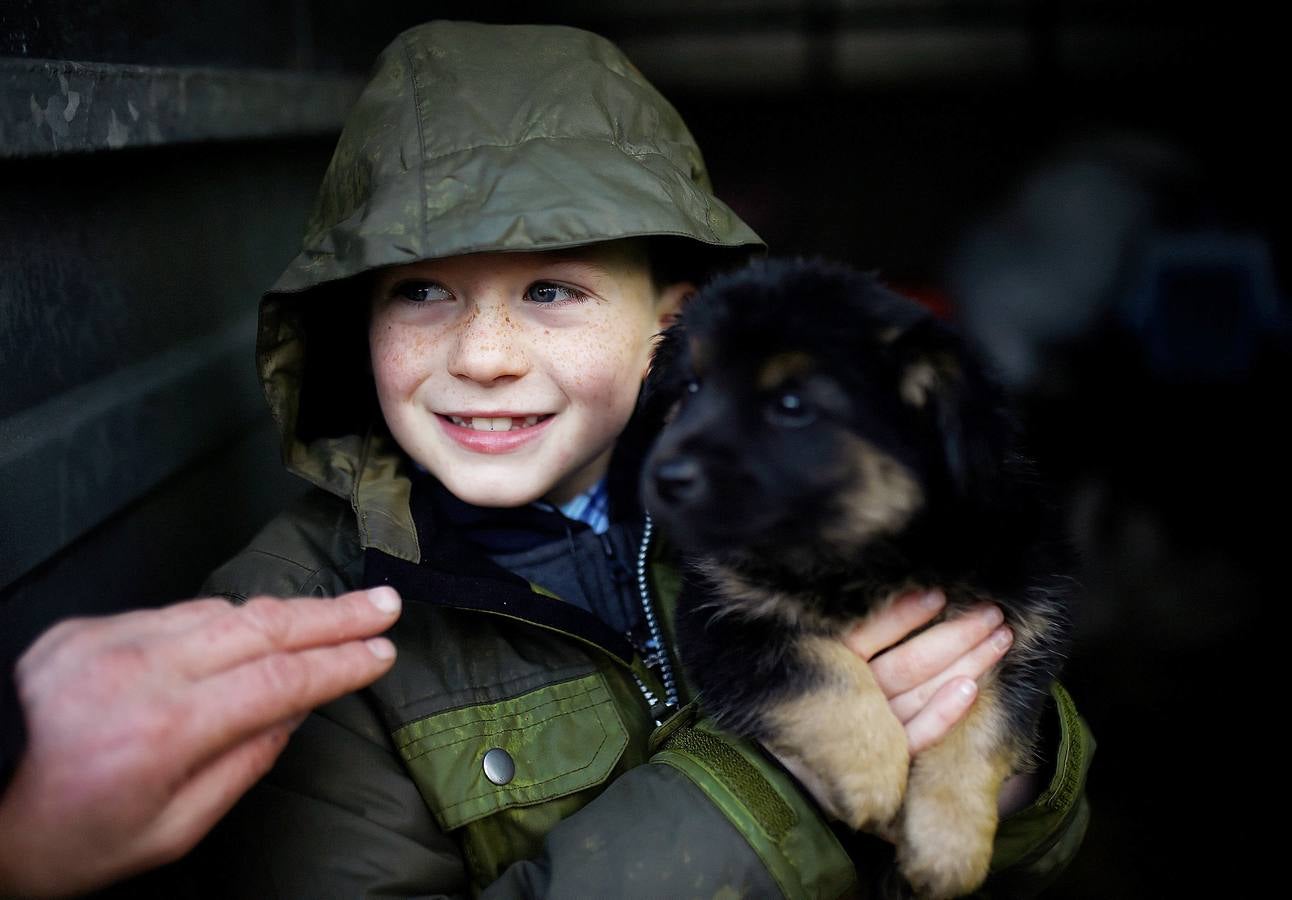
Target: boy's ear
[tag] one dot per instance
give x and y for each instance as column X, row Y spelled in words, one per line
column 668, row 306
column 672, row 298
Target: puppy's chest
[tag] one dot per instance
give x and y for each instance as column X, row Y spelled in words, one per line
column 834, row 607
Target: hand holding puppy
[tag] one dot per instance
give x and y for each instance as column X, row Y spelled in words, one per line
column 145, row 727
column 929, row 680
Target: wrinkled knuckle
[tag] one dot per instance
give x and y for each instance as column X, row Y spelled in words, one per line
column 268, row 617
column 284, row 675
column 76, row 635
column 261, row 759
column 908, row 665
column 905, row 707
column 146, row 729
column 922, row 695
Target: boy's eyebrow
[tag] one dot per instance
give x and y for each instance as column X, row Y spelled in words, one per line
column 572, row 256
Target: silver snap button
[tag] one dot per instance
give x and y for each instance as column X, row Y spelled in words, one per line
column 499, row 767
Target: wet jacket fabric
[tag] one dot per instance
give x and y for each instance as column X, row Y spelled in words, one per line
column 513, row 750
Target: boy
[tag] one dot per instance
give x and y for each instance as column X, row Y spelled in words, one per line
column 511, row 215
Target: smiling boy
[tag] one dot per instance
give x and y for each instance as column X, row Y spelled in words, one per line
column 509, row 376
column 511, row 217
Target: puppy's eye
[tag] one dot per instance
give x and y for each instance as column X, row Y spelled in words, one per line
column 692, row 386
column 789, row 409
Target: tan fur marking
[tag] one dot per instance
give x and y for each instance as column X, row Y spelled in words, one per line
column 1030, row 630
column 889, row 334
column 753, row 601
column 699, row 356
column 925, row 376
column 1033, row 630
column 918, row 382
column 843, row 732
column 947, row 825
column 784, row 366
column 883, row 497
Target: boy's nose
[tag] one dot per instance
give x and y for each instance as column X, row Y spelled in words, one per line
column 489, row 347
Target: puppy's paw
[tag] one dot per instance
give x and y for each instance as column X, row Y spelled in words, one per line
column 947, row 828
column 944, row 848
column 843, row 735
column 869, row 796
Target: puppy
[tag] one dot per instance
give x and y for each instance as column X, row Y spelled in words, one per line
column 830, row 445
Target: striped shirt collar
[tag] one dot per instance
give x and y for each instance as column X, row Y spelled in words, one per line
column 592, row 507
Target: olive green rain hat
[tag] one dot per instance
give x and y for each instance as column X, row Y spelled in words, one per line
column 475, row 137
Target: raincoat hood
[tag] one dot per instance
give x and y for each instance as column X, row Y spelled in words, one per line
column 467, row 138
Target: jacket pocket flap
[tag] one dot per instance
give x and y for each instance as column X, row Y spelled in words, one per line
column 561, row 738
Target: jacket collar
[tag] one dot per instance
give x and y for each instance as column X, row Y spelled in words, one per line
column 456, row 572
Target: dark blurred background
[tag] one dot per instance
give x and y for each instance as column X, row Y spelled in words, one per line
column 1093, row 188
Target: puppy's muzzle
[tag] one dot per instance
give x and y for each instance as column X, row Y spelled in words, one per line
column 678, row 481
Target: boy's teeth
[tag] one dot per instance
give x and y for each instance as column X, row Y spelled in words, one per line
column 489, row 423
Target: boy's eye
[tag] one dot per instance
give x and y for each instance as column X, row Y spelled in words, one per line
column 420, row 291
column 549, row 292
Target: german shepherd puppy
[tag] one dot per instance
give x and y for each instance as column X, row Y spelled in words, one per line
column 830, row 445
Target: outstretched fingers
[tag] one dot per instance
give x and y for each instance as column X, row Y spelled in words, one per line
column 245, row 700
column 264, row 626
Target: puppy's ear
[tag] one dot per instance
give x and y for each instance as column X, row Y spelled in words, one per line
column 668, row 367
column 666, row 382
column 940, row 379
column 664, row 385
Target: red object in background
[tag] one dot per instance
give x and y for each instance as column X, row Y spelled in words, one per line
column 934, row 299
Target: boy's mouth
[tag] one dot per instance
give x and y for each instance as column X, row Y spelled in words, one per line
column 497, row 423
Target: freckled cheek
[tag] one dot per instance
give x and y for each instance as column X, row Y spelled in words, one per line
column 611, row 376
column 402, row 358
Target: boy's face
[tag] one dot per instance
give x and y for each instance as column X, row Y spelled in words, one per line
column 509, row 376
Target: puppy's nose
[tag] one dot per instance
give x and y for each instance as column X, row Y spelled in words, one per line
column 678, row 480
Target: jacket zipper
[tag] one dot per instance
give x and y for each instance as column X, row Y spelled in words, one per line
column 656, row 653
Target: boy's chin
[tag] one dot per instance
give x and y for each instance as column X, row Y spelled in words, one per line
column 505, row 496
column 503, row 484
column 495, row 497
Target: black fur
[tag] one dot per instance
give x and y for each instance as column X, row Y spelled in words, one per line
column 743, row 478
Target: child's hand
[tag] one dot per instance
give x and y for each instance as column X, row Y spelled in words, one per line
column 930, row 680
column 145, row 727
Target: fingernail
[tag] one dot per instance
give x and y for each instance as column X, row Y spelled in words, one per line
column 1001, row 638
column 992, row 616
column 967, row 689
column 381, row 647
column 385, row 599
column 933, row 600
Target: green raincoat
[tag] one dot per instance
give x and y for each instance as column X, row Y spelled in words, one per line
column 472, row 138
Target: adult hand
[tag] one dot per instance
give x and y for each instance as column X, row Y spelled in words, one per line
column 144, row 728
